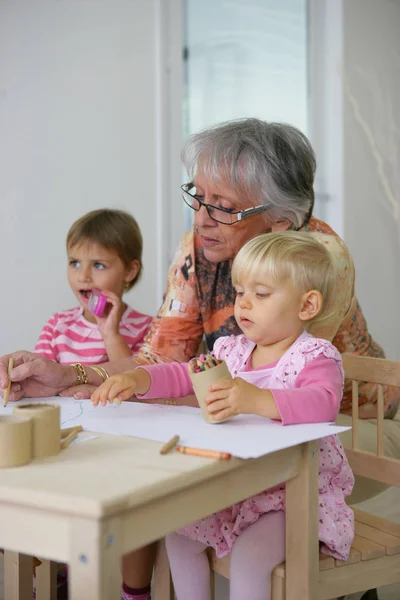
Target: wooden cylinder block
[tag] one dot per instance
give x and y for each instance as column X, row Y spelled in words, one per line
column 45, row 427
column 201, row 382
column 15, row 441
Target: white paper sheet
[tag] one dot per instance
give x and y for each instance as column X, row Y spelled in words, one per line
column 245, row 436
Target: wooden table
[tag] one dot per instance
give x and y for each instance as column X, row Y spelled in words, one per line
column 98, row 500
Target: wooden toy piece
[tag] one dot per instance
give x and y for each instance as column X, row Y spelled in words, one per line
column 7, row 390
column 15, row 441
column 169, row 445
column 65, row 442
column 45, row 427
column 68, row 430
column 201, row 382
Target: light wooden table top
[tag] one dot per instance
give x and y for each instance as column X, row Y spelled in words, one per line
column 107, row 475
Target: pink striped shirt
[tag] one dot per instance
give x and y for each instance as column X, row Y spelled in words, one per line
column 69, row 338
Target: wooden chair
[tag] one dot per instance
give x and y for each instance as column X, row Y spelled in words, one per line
column 374, row 558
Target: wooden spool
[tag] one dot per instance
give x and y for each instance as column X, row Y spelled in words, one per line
column 45, row 427
column 15, row 441
column 201, row 382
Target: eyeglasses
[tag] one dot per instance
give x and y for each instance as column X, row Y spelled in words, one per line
column 226, row 216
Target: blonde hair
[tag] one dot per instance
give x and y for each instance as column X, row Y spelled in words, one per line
column 292, row 255
column 113, row 229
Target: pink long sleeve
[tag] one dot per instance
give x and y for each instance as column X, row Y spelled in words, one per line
column 316, row 396
column 168, row 380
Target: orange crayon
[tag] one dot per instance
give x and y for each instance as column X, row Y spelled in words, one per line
column 204, row 453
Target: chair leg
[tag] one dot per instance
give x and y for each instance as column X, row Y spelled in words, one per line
column 18, row 576
column 46, row 581
column 212, row 584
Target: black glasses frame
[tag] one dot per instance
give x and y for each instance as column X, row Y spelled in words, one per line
column 239, row 214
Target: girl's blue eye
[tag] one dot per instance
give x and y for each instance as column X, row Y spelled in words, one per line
column 99, row 266
column 239, row 293
column 74, row 263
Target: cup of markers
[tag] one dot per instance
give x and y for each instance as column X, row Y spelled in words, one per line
column 203, row 371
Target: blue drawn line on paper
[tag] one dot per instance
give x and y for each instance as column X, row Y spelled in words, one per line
column 76, row 416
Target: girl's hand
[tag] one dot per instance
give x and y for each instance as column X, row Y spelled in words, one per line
column 228, row 398
column 122, row 387
column 109, row 322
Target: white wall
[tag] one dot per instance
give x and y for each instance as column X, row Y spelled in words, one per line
column 371, row 79
column 82, row 111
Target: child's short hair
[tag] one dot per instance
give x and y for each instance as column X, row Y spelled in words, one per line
column 113, row 229
column 294, row 255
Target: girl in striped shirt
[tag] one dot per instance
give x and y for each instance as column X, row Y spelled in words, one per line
column 104, row 250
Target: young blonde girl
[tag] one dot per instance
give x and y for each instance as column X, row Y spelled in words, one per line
column 285, row 286
column 104, row 249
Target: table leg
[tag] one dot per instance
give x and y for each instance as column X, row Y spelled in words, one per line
column 18, row 576
column 95, row 557
column 302, row 545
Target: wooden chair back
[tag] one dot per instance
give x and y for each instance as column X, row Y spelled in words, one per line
column 382, row 372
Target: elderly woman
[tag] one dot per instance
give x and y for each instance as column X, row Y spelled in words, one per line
column 247, row 177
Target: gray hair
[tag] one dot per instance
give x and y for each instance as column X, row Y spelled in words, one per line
column 265, row 163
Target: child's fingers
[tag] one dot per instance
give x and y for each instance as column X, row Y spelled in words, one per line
column 224, row 384
column 101, row 394
column 223, row 414
column 122, row 390
column 217, row 406
column 124, row 395
column 95, row 398
column 111, row 296
column 115, row 390
column 217, row 395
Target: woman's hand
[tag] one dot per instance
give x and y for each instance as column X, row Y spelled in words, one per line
column 109, row 323
column 79, row 392
column 122, row 387
column 228, row 398
column 34, row 376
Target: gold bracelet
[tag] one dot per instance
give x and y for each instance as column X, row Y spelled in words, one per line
column 80, row 374
column 170, row 401
column 101, row 372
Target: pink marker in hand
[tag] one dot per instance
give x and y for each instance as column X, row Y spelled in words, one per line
column 97, row 303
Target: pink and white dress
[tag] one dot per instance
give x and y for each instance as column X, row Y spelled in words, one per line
column 307, row 385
